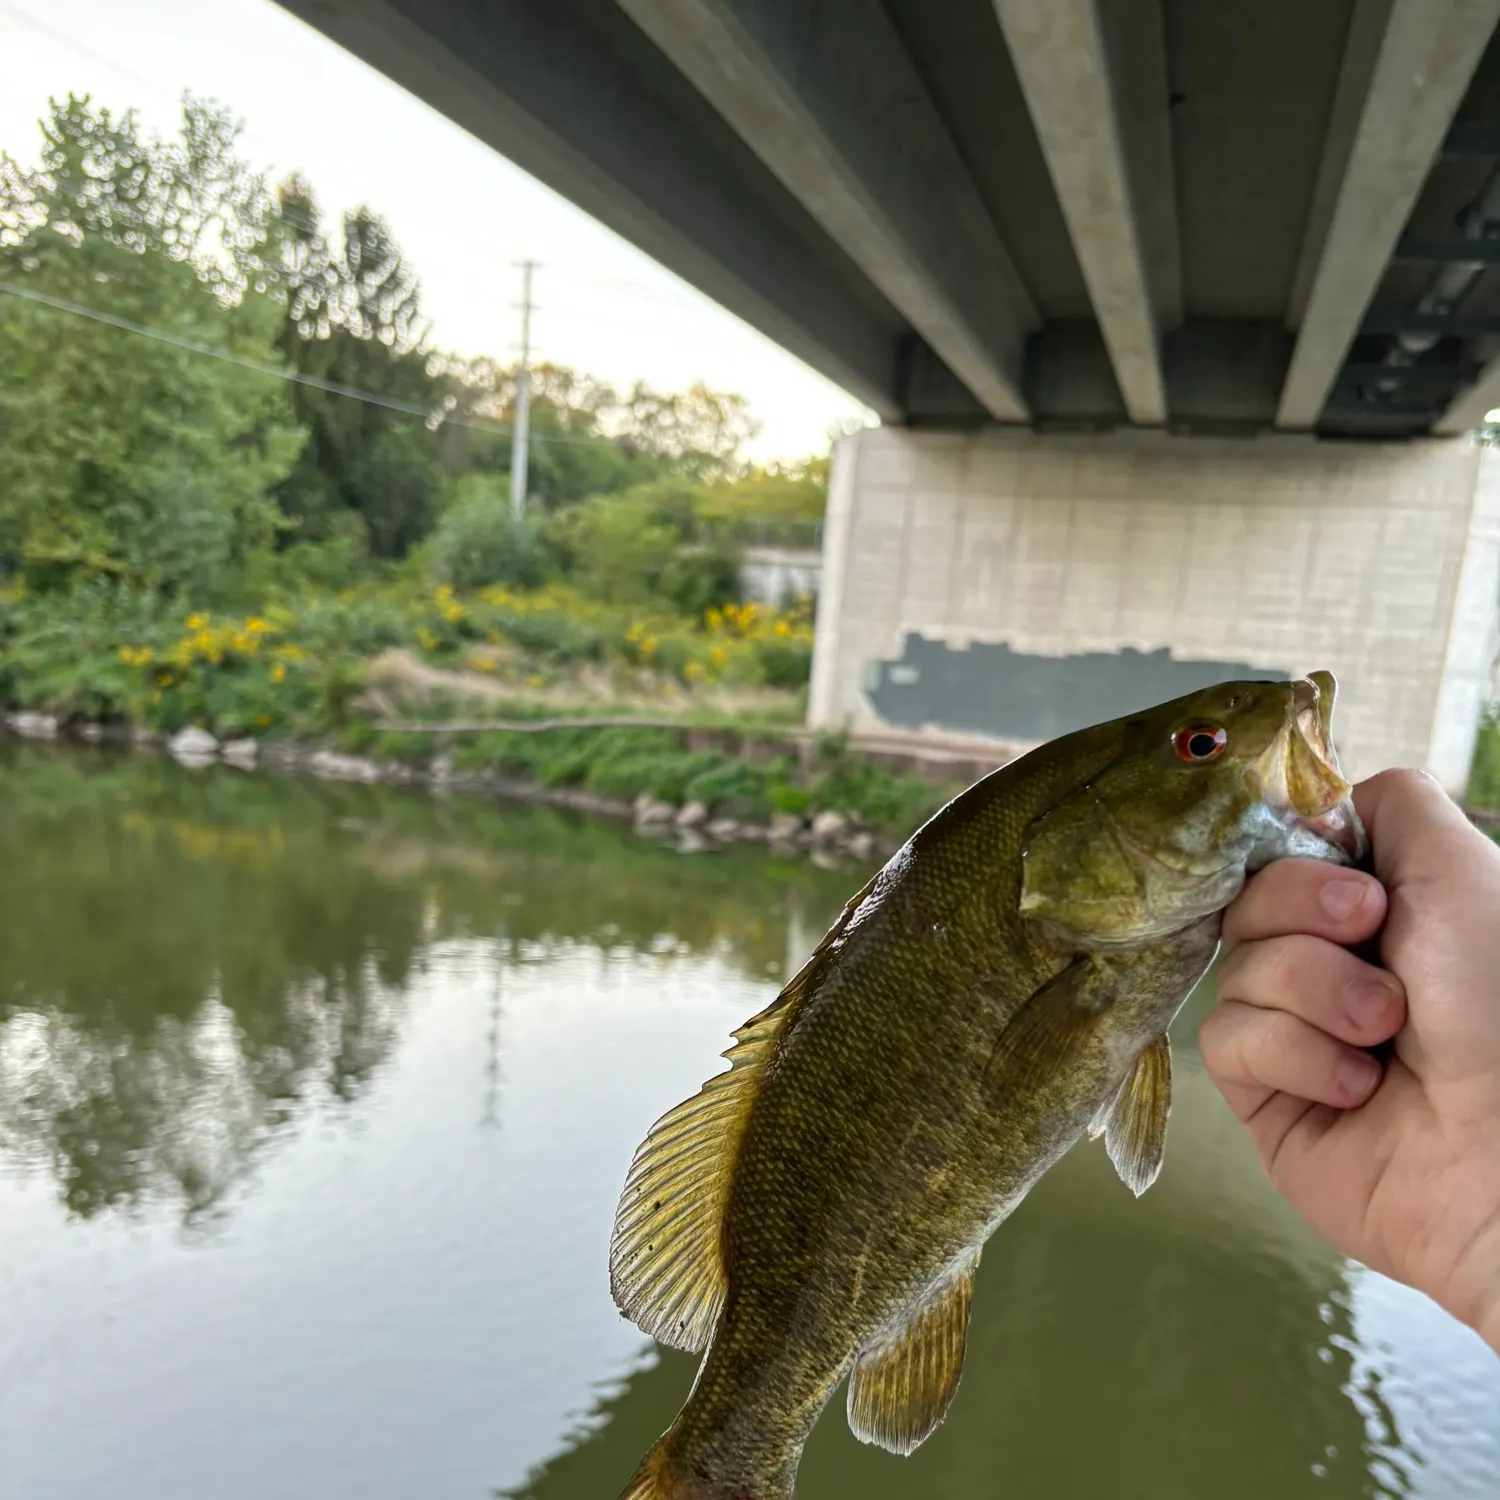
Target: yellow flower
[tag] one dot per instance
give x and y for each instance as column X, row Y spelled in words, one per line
column 783, row 629
column 649, row 645
column 278, row 672
column 290, row 653
column 693, row 671
column 426, row 639
column 263, row 720
column 718, row 655
column 536, row 680
column 163, row 679
column 196, row 622
column 713, row 619
column 256, row 626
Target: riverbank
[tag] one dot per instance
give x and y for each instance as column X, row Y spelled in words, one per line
column 697, row 787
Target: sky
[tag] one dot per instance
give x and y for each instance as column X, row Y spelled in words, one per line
column 463, row 214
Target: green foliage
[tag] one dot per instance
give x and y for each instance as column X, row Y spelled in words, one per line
column 480, row 541
column 125, row 455
column 1484, row 775
column 642, row 548
column 627, row 762
column 353, row 320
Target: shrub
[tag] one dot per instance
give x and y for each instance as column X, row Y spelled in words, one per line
column 480, row 541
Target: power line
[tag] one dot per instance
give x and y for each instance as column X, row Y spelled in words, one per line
column 333, row 387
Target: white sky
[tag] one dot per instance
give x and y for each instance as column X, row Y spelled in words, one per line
column 463, row 214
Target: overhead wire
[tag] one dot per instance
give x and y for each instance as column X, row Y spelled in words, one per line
column 298, row 377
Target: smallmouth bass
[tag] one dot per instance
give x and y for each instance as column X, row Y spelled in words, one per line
column 1002, row 986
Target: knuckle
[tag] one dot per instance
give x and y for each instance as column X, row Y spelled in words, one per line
column 1270, row 1042
column 1282, row 963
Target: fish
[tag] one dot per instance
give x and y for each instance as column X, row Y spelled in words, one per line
column 1000, row 988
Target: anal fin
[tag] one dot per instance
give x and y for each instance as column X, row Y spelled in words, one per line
column 1136, row 1133
column 901, row 1388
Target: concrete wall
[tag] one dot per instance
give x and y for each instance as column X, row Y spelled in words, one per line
column 1017, row 585
column 778, row 575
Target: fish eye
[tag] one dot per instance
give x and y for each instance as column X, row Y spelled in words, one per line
column 1196, row 743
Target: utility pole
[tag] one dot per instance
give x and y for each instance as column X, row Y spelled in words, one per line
column 522, row 431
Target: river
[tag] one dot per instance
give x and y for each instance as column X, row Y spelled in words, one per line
column 315, row 1101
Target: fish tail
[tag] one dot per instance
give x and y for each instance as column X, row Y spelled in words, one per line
column 662, row 1477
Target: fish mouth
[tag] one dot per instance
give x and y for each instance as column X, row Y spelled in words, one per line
column 1301, row 780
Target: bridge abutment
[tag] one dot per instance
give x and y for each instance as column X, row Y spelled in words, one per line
column 1015, row 585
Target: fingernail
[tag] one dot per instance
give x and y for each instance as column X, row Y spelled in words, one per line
column 1342, row 898
column 1356, row 1076
column 1368, row 1001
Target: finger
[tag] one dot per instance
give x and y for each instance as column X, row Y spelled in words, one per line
column 1418, row 833
column 1305, row 895
column 1323, row 984
column 1253, row 1054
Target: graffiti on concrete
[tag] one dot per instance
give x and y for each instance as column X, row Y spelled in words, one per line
column 987, row 688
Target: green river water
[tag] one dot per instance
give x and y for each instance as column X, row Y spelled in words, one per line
column 315, row 1101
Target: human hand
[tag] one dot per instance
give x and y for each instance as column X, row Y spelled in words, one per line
column 1397, row 1165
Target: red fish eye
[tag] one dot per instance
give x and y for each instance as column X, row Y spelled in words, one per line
column 1196, row 743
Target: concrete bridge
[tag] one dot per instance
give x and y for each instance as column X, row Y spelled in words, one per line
column 1177, row 315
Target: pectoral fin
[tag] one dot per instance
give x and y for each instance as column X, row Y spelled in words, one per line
column 901, row 1388
column 1055, row 1024
column 1136, row 1133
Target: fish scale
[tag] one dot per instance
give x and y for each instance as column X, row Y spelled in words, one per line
column 1001, row 987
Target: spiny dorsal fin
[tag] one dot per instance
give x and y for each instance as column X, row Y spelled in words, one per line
column 901, row 1388
column 666, row 1267
column 1136, row 1135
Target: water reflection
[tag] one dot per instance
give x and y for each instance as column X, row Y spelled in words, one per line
column 314, row 1103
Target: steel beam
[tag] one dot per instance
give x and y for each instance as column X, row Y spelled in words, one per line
column 1427, row 54
column 827, row 96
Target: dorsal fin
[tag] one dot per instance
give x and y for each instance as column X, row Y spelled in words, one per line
column 666, row 1267
column 901, row 1388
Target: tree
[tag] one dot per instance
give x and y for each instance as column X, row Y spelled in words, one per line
column 353, row 319
column 125, row 449
column 700, row 431
column 480, row 540
column 642, row 548
column 571, row 455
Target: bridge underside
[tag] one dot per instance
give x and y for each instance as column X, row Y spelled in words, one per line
column 1087, row 213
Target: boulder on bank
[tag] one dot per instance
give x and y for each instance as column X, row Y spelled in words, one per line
column 335, row 767
column 785, row 827
column 828, row 827
column 242, row 754
column 33, row 726
column 193, row 746
column 692, row 815
column 652, row 812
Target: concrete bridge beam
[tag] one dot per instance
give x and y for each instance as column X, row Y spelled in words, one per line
column 1417, row 77
column 828, row 98
column 1111, row 166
